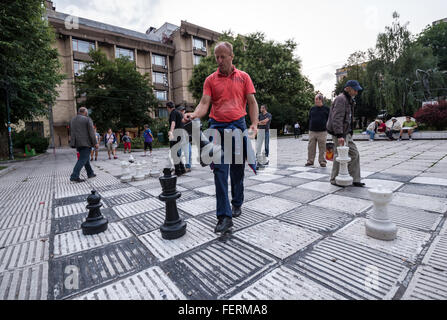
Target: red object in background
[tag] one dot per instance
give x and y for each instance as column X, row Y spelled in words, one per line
column 78, row 155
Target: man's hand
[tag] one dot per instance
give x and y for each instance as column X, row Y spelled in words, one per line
column 170, row 136
column 253, row 131
column 341, row 141
column 97, row 146
column 190, row 116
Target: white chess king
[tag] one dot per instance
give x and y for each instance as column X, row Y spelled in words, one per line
column 343, row 178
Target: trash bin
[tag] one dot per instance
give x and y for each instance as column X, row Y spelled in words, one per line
column 160, row 137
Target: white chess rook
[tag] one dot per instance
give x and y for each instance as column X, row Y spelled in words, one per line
column 139, row 174
column 343, row 178
column 125, row 176
column 379, row 226
column 146, row 169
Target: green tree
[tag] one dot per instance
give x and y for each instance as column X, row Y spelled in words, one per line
column 30, row 68
column 116, row 94
column 435, row 37
column 276, row 74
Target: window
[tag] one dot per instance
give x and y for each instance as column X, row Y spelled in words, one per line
column 161, row 78
column 163, row 113
column 197, row 59
column 122, row 52
column 78, row 67
column 199, row 44
column 159, row 60
column 161, row 95
column 82, row 46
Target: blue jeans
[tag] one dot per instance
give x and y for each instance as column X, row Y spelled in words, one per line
column 84, row 160
column 267, row 142
column 221, row 171
column 371, row 134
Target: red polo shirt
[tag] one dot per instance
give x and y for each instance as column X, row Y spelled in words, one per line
column 228, row 94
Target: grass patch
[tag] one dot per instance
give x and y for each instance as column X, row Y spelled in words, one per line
column 3, row 167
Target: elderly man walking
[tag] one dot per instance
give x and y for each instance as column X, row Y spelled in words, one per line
column 83, row 138
column 318, row 117
column 228, row 90
column 265, row 118
column 340, row 126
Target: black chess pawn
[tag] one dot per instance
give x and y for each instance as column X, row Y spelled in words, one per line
column 95, row 222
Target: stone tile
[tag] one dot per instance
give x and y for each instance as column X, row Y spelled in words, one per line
column 350, row 205
column 427, row 284
column 155, row 192
column 25, row 233
column 150, row 284
column 197, row 234
column 134, row 208
column 286, row 284
column 355, row 270
column 218, row 269
column 300, row 169
column 74, row 222
column 407, row 246
column 436, row 256
column 97, row 266
column 412, row 218
column 425, row 189
column 320, row 187
column 289, row 181
column 309, row 175
column 246, row 219
column 386, row 184
column 198, row 206
column 24, row 255
column 279, row 238
column 316, row 219
column 300, row 195
column 126, row 198
column 430, row 180
column 268, row 188
column 420, row 202
column 30, row 283
column 266, row 177
column 354, row 192
column 74, row 241
column 272, row 206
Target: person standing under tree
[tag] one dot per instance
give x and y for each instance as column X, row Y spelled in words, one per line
column 175, row 122
column 265, row 118
column 340, row 126
column 110, row 142
column 82, row 137
column 95, row 149
column 318, row 117
column 296, row 130
column 127, row 142
column 148, row 138
column 228, row 90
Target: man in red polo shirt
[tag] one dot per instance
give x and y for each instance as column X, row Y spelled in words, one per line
column 228, row 90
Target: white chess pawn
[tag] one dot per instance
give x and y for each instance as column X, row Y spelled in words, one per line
column 343, row 178
column 139, row 174
column 146, row 169
column 125, row 176
column 131, row 159
column 379, row 226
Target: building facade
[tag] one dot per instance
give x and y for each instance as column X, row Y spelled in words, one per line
column 168, row 54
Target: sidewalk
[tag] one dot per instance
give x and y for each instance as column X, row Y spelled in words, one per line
column 420, row 135
column 299, row 237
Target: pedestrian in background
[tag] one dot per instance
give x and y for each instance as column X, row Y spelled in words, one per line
column 127, row 142
column 148, row 138
column 318, row 117
column 95, row 149
column 82, row 137
column 111, row 143
column 296, row 130
column 265, row 118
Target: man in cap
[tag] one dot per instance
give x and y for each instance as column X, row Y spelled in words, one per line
column 395, row 128
column 340, row 126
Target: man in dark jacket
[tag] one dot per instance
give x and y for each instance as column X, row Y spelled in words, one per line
column 318, row 117
column 340, row 126
column 83, row 138
column 175, row 122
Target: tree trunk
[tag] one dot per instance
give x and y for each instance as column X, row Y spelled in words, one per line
column 4, row 146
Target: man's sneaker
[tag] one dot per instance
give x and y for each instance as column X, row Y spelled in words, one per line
column 77, row 180
column 92, row 176
column 358, row 184
column 323, row 165
column 223, row 224
column 236, row 211
column 308, row 164
column 411, row 139
column 400, row 139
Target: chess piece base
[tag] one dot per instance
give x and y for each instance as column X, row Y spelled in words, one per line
column 94, row 226
column 172, row 231
column 344, row 181
column 381, row 229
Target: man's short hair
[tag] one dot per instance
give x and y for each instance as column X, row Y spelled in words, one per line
column 319, row 96
column 226, row 44
column 146, row 126
column 82, row 110
column 170, row 104
column 264, row 106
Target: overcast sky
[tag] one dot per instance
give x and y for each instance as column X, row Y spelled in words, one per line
column 326, row 31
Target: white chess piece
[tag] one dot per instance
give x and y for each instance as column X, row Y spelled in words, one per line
column 139, row 174
column 131, row 159
column 146, row 169
column 125, row 176
column 343, row 178
column 379, row 226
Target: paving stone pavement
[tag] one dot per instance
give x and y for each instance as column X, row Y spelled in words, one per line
column 298, row 237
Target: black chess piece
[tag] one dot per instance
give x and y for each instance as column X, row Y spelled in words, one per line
column 174, row 227
column 95, row 222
